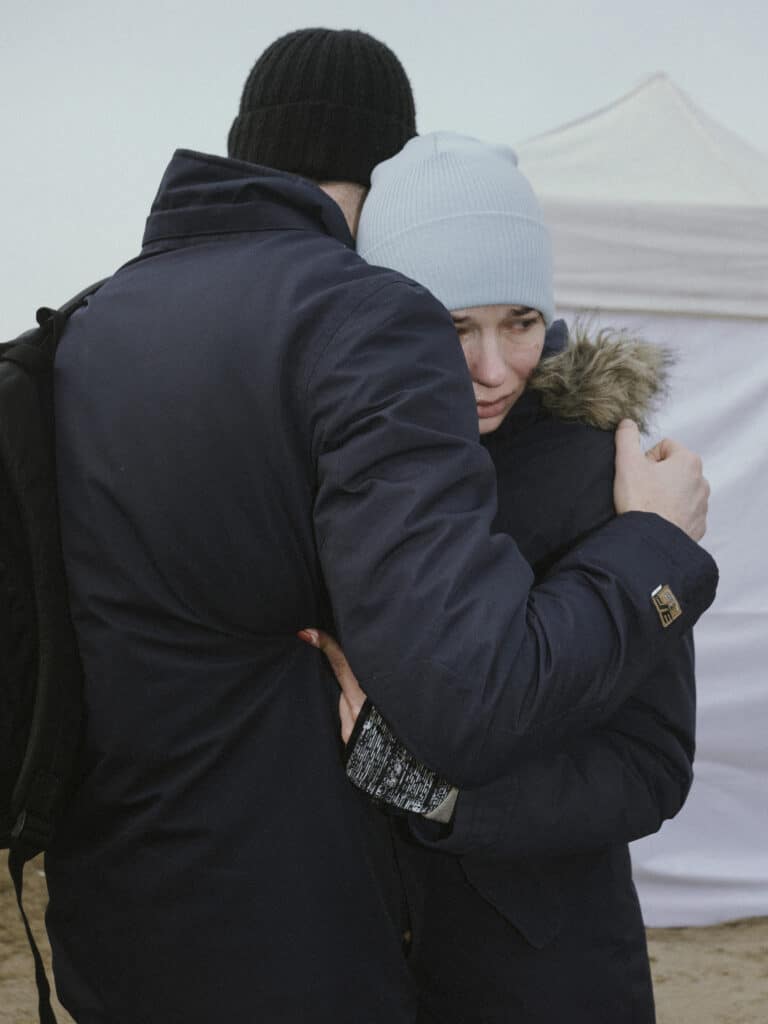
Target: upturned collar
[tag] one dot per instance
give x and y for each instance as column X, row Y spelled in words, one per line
column 202, row 195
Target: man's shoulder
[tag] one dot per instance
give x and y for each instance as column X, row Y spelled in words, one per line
column 384, row 290
column 378, row 314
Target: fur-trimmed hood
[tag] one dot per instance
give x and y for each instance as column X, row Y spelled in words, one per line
column 603, row 380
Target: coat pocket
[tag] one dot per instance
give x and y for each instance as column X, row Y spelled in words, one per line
column 522, row 893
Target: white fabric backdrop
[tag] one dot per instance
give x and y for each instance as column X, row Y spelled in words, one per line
column 661, row 257
column 710, row 863
column 659, row 218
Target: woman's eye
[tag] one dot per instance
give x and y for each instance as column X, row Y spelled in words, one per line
column 524, row 325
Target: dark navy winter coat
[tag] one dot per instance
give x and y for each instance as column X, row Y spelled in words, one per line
column 256, row 431
column 538, row 920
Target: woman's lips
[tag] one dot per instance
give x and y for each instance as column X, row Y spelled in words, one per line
column 487, row 410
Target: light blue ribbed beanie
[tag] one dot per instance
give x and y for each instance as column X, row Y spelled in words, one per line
column 456, row 215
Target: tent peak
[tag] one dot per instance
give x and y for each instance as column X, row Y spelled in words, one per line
column 658, row 85
column 652, row 144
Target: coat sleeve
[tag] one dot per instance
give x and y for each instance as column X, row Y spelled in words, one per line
column 465, row 661
column 609, row 785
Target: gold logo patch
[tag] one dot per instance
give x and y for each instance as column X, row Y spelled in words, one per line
column 666, row 604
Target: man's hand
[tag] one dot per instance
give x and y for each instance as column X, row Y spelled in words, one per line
column 667, row 480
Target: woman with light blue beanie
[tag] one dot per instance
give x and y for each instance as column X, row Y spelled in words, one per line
column 519, row 895
column 457, row 215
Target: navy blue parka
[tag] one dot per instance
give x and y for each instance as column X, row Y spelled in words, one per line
column 524, row 908
column 256, row 431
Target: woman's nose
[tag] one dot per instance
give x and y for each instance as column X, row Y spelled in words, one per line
column 487, row 364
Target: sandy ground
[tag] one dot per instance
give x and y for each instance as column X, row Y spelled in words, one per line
column 715, row 975
column 18, row 995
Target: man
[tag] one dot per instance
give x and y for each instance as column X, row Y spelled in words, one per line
column 257, row 431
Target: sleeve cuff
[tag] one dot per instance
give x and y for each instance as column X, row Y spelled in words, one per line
column 444, row 811
column 379, row 765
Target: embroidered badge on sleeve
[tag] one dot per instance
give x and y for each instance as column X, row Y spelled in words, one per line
column 666, row 604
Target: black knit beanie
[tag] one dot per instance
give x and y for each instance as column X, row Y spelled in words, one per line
column 326, row 104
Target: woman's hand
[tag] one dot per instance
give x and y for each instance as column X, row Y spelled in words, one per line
column 352, row 697
column 379, row 764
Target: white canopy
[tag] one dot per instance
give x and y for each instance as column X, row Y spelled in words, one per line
column 659, row 218
column 691, row 195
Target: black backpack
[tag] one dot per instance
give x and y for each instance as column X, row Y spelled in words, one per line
column 40, row 671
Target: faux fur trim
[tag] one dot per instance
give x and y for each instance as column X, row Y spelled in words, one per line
column 605, row 379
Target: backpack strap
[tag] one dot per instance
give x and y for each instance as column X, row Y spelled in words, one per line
column 16, row 861
column 55, row 319
column 32, row 353
column 72, row 304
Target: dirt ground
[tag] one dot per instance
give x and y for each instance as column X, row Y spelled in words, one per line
column 716, row 975
column 18, row 995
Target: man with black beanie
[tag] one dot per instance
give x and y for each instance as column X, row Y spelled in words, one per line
column 257, row 431
column 326, row 105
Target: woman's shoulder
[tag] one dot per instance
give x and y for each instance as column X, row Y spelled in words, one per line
column 545, row 444
column 582, row 445
column 554, row 454
column 555, row 485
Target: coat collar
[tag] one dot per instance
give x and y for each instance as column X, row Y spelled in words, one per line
column 205, row 195
column 597, row 381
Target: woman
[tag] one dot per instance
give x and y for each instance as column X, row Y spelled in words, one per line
column 520, row 896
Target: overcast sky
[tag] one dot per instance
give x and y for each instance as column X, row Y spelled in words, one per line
column 96, row 96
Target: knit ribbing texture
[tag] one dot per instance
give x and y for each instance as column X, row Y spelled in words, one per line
column 456, row 215
column 326, row 104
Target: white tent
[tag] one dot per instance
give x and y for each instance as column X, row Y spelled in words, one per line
column 659, row 218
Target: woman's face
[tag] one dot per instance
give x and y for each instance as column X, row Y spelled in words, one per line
column 502, row 345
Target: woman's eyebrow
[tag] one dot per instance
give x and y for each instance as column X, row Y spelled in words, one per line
column 520, row 310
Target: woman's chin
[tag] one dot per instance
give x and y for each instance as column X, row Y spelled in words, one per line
column 488, row 424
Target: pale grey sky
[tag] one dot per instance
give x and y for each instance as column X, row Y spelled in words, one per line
column 97, row 96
